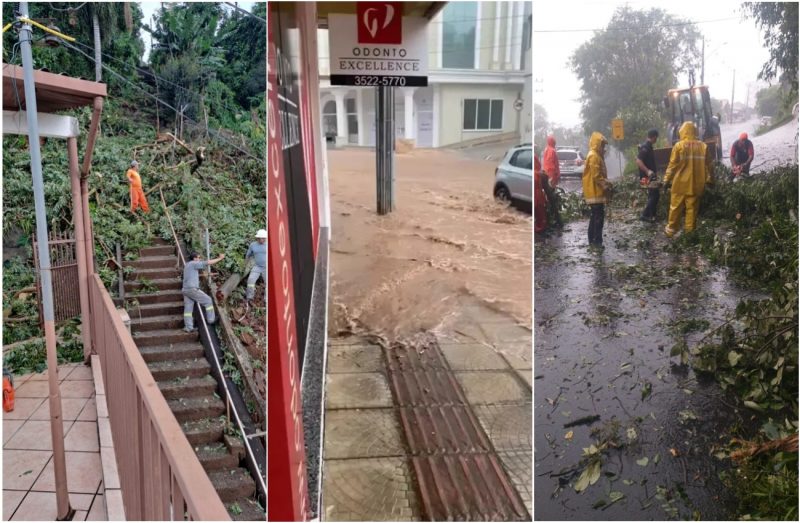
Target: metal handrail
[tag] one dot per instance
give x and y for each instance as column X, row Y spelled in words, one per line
column 175, row 236
column 231, row 406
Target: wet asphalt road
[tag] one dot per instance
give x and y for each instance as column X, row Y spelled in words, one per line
column 604, row 325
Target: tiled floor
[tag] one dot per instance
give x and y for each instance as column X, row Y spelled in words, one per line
column 28, row 480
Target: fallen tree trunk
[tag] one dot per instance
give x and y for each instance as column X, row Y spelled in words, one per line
column 233, row 282
column 252, row 377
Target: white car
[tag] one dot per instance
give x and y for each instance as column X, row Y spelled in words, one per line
column 570, row 161
column 513, row 178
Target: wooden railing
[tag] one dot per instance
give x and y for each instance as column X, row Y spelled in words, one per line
column 160, row 475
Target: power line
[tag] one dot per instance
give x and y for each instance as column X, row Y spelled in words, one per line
column 154, row 76
column 245, row 11
column 162, row 102
column 678, row 24
column 68, row 8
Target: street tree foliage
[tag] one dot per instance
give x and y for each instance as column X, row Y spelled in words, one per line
column 626, row 69
column 214, row 61
column 769, row 101
column 564, row 135
column 779, row 21
column 540, row 127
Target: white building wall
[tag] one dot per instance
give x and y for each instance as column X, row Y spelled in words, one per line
column 451, row 117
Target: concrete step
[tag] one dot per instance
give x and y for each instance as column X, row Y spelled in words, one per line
column 156, row 309
column 170, row 296
column 153, row 274
column 153, row 262
column 216, row 457
column 194, row 409
column 200, row 432
column 161, row 337
column 174, row 369
column 160, row 284
column 173, row 321
column 232, row 484
column 188, row 388
column 175, row 351
column 245, row 509
column 159, row 250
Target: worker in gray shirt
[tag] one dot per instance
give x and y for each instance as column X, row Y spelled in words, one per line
column 192, row 293
column 257, row 250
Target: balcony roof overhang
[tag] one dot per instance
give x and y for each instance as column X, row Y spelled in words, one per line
column 54, row 92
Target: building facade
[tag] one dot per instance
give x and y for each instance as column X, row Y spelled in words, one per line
column 478, row 62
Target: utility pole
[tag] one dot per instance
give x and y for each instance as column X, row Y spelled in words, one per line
column 733, row 90
column 703, row 64
column 384, row 148
column 64, row 510
column 747, row 98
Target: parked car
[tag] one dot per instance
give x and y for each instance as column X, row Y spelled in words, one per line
column 570, row 161
column 513, row 178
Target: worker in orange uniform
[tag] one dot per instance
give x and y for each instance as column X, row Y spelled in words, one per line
column 137, row 194
column 550, row 162
column 539, row 197
column 689, row 171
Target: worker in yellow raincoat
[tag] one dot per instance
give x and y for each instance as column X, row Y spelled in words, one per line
column 689, row 171
column 596, row 187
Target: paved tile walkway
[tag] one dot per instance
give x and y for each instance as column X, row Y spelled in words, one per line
column 367, row 472
column 28, row 480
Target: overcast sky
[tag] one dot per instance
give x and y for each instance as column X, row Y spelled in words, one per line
column 149, row 9
column 731, row 43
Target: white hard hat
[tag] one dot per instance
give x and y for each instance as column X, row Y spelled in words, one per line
column 262, row 233
column 134, row 163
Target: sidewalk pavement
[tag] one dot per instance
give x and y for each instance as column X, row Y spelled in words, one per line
column 369, row 472
column 28, row 479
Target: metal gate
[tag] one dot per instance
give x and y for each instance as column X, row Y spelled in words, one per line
column 64, row 270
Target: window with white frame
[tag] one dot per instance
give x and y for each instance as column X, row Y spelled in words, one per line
column 483, row 114
column 329, row 118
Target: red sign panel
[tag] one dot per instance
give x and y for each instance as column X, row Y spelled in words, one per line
column 380, row 22
column 287, row 496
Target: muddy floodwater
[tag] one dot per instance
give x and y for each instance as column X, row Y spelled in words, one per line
column 447, row 251
column 604, row 326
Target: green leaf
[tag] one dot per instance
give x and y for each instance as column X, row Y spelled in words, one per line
column 647, row 389
column 753, row 405
column 615, row 496
column 583, row 481
column 643, row 461
column 594, row 472
column 734, row 357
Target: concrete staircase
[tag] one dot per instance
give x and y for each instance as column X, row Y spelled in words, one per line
column 177, row 361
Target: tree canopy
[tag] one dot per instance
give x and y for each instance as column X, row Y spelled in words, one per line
column 626, row 69
column 779, row 21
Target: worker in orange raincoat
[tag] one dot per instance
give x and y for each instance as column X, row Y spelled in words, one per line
column 550, row 162
column 137, row 195
column 539, row 197
column 689, row 171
